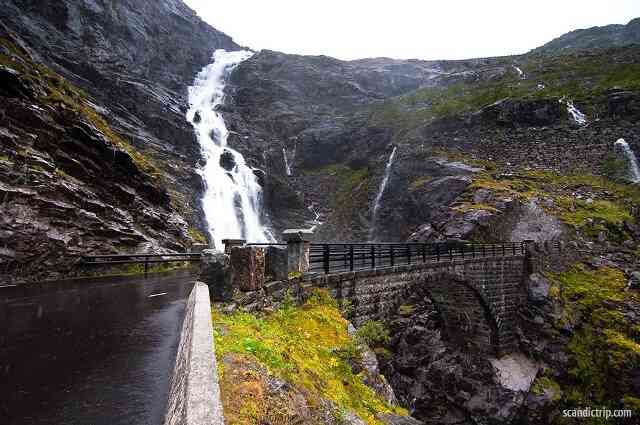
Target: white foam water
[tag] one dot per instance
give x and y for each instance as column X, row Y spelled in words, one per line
column 383, row 185
column 232, row 201
column 520, row 72
column 634, row 169
column 576, row 114
column 287, row 166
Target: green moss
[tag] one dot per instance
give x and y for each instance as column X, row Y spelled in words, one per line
column 419, row 183
column 406, row 310
column 472, row 206
column 5, row 159
column 604, row 349
column 303, row 345
column 60, row 92
column 294, row 275
column 197, row 235
column 545, row 385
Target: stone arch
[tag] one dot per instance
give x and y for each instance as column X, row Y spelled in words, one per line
column 467, row 315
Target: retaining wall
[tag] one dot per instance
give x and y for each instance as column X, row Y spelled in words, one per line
column 194, row 397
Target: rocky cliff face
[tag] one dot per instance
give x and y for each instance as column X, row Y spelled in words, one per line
column 105, row 84
column 135, row 59
column 594, row 38
column 337, row 123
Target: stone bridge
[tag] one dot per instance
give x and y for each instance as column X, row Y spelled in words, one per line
column 477, row 297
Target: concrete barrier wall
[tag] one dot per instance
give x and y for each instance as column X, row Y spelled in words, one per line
column 194, row 398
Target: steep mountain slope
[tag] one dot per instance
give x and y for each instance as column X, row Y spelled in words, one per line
column 105, row 85
column 337, row 123
column 594, row 38
column 136, row 60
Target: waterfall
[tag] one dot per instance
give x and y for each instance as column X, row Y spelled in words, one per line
column 576, row 114
column 287, row 166
column 634, row 169
column 232, row 201
column 383, row 186
column 316, row 221
column 520, row 72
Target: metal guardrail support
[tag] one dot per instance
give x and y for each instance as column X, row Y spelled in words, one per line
column 340, row 257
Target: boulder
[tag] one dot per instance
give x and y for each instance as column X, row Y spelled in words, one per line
column 247, row 268
column 214, row 271
column 227, row 160
column 634, row 281
column 538, row 288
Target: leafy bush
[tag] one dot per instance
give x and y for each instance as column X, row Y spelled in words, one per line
column 373, row 333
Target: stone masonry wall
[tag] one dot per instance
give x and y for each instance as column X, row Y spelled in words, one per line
column 477, row 297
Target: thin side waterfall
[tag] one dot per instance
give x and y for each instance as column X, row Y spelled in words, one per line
column 383, row 186
column 520, row 72
column 634, row 169
column 287, row 166
column 232, row 201
column 576, row 114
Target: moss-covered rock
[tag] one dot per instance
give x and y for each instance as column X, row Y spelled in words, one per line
column 309, row 348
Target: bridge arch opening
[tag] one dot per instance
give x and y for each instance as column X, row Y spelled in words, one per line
column 466, row 317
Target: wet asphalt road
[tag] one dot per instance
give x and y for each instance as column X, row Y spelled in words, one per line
column 90, row 352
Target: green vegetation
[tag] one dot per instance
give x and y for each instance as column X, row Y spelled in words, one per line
column 472, row 206
column 583, row 78
column 607, row 209
column 545, row 385
column 58, row 91
column 197, row 235
column 419, row 183
column 604, row 349
column 308, row 346
column 614, row 168
column 373, row 333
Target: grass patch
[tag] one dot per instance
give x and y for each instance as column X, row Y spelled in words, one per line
column 604, row 350
column 308, row 346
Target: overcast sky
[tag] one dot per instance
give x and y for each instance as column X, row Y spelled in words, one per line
column 424, row 29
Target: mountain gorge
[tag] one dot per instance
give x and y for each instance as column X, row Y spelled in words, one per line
column 97, row 156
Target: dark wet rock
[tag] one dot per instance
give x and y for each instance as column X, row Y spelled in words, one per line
column 520, row 112
column 135, row 61
column 538, row 288
column 391, row 419
column 634, row 280
column 443, row 383
column 227, row 160
column 215, row 271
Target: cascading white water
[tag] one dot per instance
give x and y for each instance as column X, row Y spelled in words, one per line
column 383, row 186
column 287, row 166
column 233, row 198
column 520, row 72
column 575, row 113
column 634, row 169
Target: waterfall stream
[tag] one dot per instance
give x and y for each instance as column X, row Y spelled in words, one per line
column 634, row 169
column 232, row 201
column 287, row 166
column 383, row 186
column 577, row 115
